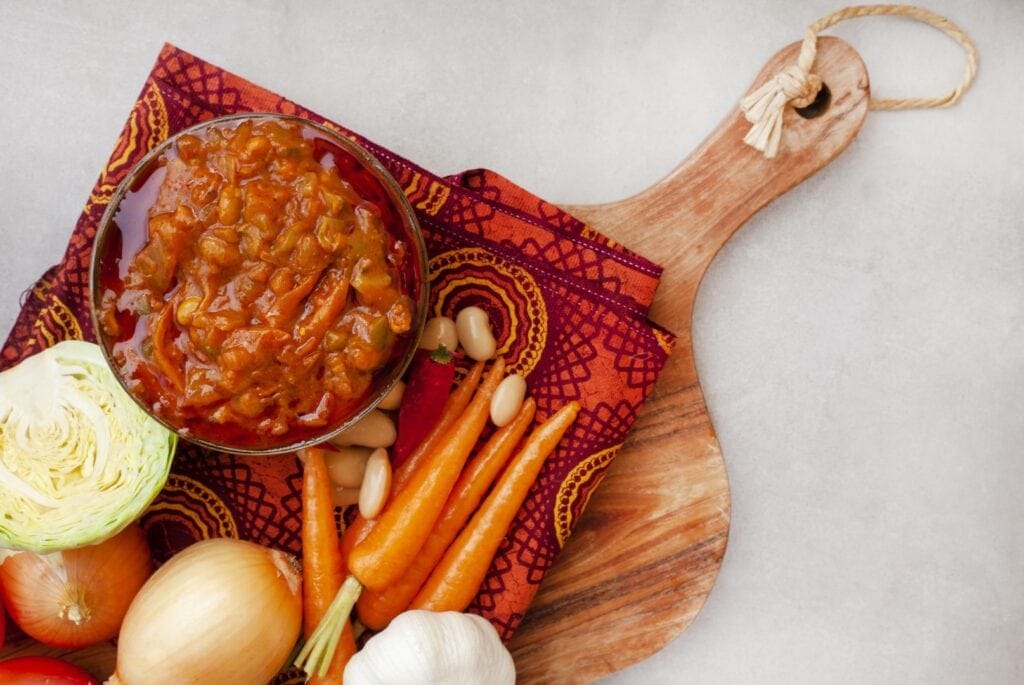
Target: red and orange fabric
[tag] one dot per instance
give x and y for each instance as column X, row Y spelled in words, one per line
column 569, row 309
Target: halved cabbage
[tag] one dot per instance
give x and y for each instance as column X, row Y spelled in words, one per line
column 79, row 459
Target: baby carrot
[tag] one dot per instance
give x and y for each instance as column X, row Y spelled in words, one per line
column 386, row 552
column 377, row 608
column 400, row 533
column 322, row 564
column 322, row 570
column 453, row 408
column 457, row 578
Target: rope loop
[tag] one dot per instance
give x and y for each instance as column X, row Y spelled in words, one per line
column 797, row 85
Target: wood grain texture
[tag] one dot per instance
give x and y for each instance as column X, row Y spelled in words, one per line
column 646, row 553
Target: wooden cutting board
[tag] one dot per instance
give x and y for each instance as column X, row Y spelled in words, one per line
column 644, row 557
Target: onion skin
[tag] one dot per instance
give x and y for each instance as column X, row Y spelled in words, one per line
column 78, row 597
column 221, row 611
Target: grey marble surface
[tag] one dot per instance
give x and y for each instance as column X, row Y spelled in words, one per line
column 858, row 342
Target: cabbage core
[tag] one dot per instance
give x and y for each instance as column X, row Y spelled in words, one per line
column 79, row 459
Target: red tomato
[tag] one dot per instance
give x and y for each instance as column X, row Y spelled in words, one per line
column 3, row 624
column 42, row 670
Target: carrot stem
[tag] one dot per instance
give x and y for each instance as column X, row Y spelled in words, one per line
column 457, row 578
column 377, row 608
column 345, row 648
column 402, row 528
column 315, row 656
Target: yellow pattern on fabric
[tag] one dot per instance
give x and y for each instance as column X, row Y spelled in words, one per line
column 512, row 287
column 152, row 106
column 200, row 499
column 410, row 190
column 513, row 320
column 173, row 512
column 67, row 326
column 55, row 321
column 436, row 197
column 571, row 487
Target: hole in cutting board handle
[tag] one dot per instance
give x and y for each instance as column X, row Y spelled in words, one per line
column 819, row 106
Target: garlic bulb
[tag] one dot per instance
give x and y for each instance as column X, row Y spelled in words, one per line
column 440, row 648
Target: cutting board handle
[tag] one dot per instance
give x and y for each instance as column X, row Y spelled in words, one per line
column 724, row 182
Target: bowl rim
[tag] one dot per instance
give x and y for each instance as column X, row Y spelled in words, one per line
column 401, row 204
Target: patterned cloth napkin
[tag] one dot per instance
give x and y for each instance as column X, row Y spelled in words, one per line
column 568, row 307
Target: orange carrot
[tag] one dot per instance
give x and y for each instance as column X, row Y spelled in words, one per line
column 325, row 304
column 322, row 564
column 453, row 408
column 377, row 608
column 402, row 534
column 284, row 305
column 402, row 528
column 159, row 338
column 457, row 578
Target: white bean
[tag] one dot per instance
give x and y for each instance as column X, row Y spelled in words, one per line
column 376, row 429
column 438, row 331
column 346, row 466
column 475, row 335
column 393, row 400
column 376, row 484
column 344, row 497
column 507, row 399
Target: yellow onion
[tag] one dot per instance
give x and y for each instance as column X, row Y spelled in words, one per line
column 77, row 597
column 221, row 611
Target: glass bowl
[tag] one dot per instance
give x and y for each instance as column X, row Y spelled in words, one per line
column 124, row 230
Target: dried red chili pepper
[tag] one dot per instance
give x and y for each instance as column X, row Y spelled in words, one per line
column 428, row 386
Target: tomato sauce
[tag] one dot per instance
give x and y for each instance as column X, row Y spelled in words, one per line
column 261, row 281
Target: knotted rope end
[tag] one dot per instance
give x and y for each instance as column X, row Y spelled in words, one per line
column 763, row 108
column 796, row 85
